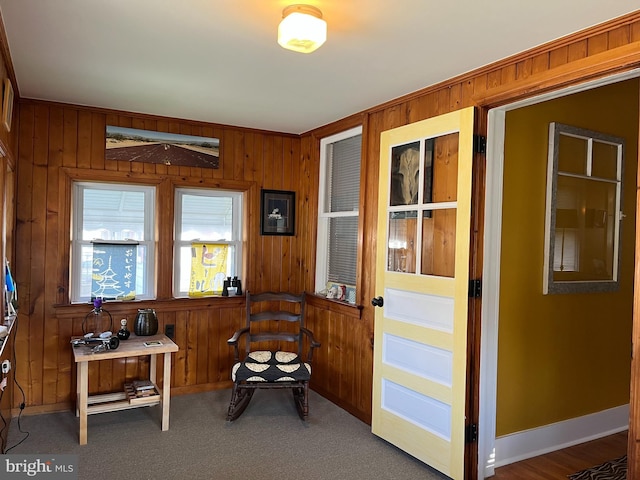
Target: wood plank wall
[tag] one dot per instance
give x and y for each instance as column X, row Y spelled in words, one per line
column 56, row 136
column 58, row 141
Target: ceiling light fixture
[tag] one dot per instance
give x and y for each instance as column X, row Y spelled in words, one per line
column 302, row 28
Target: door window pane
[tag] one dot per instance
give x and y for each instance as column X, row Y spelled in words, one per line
column 402, row 242
column 445, row 168
column 438, row 242
column 405, row 169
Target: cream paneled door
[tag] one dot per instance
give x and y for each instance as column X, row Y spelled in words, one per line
column 422, row 270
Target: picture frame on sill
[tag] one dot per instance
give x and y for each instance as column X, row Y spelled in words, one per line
column 278, row 209
column 7, row 104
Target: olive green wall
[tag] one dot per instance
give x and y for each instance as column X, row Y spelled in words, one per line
column 560, row 356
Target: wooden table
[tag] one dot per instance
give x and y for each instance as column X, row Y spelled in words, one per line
column 133, row 347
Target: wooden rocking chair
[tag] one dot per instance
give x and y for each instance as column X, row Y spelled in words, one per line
column 264, row 363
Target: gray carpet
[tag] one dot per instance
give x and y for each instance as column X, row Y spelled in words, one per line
column 268, row 441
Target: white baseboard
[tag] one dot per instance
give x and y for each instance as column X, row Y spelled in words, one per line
column 537, row 441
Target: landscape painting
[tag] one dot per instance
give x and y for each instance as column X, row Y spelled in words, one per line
column 132, row 144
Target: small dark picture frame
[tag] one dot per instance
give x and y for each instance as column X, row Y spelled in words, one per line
column 278, row 209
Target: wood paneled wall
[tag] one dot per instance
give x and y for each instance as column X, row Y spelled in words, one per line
column 57, row 141
column 52, row 137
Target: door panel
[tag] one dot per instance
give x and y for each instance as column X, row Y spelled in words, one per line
column 422, row 270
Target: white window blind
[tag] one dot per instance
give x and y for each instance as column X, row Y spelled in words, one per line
column 343, row 250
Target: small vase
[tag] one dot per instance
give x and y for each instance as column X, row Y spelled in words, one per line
column 124, row 332
column 146, row 322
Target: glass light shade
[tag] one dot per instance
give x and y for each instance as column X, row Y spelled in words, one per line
column 302, row 29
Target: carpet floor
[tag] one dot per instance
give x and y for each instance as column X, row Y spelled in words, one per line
column 268, row 441
column 612, row 470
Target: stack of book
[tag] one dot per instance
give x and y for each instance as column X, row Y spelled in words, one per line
column 143, row 388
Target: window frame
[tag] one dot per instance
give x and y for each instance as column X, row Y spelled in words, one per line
column 236, row 229
column 324, row 217
column 77, row 243
column 552, row 211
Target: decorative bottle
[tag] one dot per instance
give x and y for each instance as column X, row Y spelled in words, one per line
column 97, row 320
column 124, row 332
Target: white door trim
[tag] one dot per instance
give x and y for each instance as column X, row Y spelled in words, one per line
column 491, row 269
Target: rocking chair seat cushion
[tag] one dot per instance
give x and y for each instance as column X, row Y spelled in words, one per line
column 266, row 366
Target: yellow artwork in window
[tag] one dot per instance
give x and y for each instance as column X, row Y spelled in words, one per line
column 208, row 268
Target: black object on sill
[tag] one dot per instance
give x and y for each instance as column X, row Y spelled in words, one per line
column 231, row 285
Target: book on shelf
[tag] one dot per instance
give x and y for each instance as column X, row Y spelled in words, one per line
column 145, row 393
column 142, row 385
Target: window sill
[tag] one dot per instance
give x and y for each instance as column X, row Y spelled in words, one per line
column 335, row 306
column 119, row 308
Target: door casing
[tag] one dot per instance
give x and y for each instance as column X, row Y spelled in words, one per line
column 491, row 268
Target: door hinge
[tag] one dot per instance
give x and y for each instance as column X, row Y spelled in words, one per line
column 480, row 144
column 475, row 288
column 471, row 433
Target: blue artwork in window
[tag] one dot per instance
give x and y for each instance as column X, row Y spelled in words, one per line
column 113, row 275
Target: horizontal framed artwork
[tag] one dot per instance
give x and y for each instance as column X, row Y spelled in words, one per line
column 132, row 144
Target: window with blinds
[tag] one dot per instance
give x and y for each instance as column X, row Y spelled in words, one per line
column 339, row 199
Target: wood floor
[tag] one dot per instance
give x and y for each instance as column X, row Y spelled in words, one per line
column 559, row 464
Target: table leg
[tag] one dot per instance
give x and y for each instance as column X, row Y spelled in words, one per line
column 77, row 390
column 83, row 397
column 153, row 362
column 166, row 390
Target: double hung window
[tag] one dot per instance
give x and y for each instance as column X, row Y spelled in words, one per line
column 207, row 240
column 338, row 216
column 112, row 243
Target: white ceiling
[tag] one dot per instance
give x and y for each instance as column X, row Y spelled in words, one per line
column 218, row 60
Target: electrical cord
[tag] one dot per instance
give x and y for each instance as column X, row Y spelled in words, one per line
column 4, row 430
column 15, row 380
